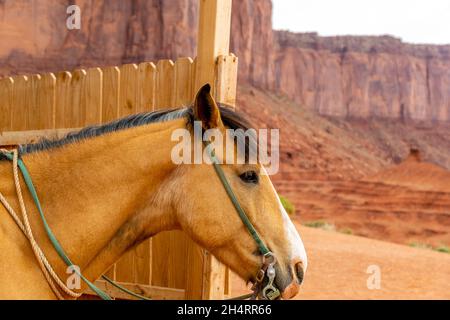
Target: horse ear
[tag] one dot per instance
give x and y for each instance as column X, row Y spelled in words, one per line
column 206, row 109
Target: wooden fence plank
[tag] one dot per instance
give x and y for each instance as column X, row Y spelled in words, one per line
column 143, row 263
column 178, row 253
column 6, row 106
column 194, row 275
column 169, row 251
column 129, row 79
column 74, row 114
column 125, row 267
column 111, row 94
column 93, row 96
column 165, row 77
column 184, row 82
column 21, row 103
column 160, row 252
column 43, row 104
column 147, row 87
column 63, row 100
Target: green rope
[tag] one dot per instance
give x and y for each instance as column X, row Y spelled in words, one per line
column 131, row 293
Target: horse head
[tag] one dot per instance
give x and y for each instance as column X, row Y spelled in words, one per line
column 208, row 214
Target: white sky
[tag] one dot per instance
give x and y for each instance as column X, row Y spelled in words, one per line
column 415, row 21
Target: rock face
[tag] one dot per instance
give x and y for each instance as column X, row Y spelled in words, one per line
column 35, row 37
column 337, row 76
column 364, row 76
column 252, row 40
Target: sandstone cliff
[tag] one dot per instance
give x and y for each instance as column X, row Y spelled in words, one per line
column 35, row 38
column 337, row 76
column 364, row 76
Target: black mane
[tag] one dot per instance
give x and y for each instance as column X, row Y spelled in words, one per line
column 230, row 119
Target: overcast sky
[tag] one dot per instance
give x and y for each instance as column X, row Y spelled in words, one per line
column 416, row 21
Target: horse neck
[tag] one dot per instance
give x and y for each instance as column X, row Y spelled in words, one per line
column 99, row 195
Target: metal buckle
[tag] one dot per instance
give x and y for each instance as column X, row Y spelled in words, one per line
column 260, row 275
column 269, row 292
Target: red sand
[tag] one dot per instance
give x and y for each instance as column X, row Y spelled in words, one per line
column 338, row 263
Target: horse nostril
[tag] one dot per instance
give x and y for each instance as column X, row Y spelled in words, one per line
column 299, row 272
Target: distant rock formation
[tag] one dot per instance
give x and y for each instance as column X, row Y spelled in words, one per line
column 364, row 77
column 348, row 76
column 414, row 156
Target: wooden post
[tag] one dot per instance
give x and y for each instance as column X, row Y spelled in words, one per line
column 213, row 39
column 213, row 42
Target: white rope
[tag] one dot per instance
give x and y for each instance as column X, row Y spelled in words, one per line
column 51, row 276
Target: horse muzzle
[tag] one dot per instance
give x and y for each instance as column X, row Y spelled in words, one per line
column 292, row 289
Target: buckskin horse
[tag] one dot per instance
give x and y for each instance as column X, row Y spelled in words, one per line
column 107, row 188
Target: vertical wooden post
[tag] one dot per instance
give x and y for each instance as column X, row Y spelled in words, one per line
column 213, row 41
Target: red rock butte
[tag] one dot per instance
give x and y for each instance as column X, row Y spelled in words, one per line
column 362, row 77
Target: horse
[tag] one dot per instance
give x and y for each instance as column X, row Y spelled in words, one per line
column 107, row 188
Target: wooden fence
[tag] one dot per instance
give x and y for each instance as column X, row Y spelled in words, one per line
column 170, row 265
column 32, row 106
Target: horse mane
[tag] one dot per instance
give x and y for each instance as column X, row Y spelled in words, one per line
column 230, row 118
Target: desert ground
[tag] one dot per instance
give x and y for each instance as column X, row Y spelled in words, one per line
column 379, row 188
column 338, row 265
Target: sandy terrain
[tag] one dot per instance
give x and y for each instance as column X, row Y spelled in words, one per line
column 417, row 174
column 338, row 264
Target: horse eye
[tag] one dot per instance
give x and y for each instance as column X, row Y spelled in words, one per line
column 250, row 177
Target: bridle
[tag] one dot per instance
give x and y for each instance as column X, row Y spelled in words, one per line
column 267, row 291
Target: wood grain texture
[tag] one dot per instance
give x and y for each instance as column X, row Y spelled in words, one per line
column 169, row 251
column 21, row 103
column 184, row 82
column 194, row 274
column 143, row 263
column 125, row 267
column 226, row 83
column 93, row 97
column 147, row 87
column 6, row 107
column 63, row 102
column 165, row 76
column 111, row 94
column 43, row 102
column 129, row 81
column 214, row 39
column 74, row 115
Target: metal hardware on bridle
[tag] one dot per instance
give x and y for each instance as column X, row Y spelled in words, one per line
column 269, row 291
